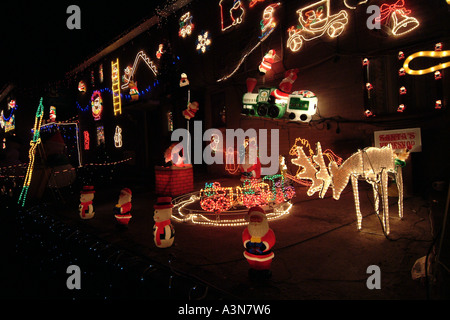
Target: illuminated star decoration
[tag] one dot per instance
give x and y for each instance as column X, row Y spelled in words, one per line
column 203, row 42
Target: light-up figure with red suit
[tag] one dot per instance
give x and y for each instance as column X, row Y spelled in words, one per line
column 258, row 240
column 249, row 164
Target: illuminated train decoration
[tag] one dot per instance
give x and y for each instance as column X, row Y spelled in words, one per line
column 254, row 192
column 268, row 103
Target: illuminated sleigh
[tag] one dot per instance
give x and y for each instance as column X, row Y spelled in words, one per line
column 315, row 20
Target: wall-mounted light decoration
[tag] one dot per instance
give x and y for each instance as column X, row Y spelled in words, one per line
column 426, row 54
column 231, row 13
column 97, row 105
column 186, row 25
column 118, row 137
column 100, row 135
column 395, row 18
column 170, row 121
column 35, row 141
column 86, row 140
column 368, row 89
column 100, row 73
column 268, row 25
column 203, row 42
column 131, row 71
column 9, row 123
column 82, row 86
column 160, row 51
column 314, row 21
column 254, row 3
column 115, row 78
column 52, row 114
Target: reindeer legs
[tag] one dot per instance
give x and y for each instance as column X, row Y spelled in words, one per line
column 384, row 195
column 399, row 182
column 356, row 196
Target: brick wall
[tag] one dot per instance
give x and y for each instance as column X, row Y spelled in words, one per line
column 173, row 181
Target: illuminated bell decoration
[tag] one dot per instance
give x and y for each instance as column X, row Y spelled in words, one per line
column 97, row 105
column 401, row 108
column 81, row 86
column 402, row 90
column 438, row 104
column 396, row 18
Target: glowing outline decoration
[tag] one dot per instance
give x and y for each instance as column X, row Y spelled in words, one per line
column 35, row 141
column 203, row 42
column 316, row 25
column 428, row 54
column 268, row 18
column 391, row 11
column 237, row 5
column 118, row 137
column 86, row 140
column 140, row 56
column 186, row 25
column 115, row 76
column 97, row 106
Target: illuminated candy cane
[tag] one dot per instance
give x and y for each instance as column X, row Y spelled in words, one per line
column 429, row 54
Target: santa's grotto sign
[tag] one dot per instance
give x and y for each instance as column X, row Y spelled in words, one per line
column 400, row 139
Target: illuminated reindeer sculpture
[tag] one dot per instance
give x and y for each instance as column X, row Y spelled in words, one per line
column 373, row 165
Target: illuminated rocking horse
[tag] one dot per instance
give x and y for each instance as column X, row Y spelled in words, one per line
column 373, row 165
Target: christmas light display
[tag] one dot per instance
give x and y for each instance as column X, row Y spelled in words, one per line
column 426, row 54
column 130, row 71
column 34, row 143
column 203, row 42
column 268, row 25
column 100, row 135
column 160, row 51
column 115, row 77
column 52, row 114
column 314, row 21
column 97, row 105
column 231, row 13
column 186, row 25
column 86, row 140
column 373, row 165
column 118, row 137
column 82, row 86
column 122, row 210
column 254, row 2
column 368, row 89
column 395, row 18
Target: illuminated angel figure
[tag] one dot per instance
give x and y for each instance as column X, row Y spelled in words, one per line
column 314, row 21
column 203, row 42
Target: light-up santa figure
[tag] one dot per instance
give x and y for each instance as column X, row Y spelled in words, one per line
column 258, row 240
column 123, row 207
column 250, row 165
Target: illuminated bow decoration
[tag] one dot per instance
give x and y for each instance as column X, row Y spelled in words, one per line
column 387, row 9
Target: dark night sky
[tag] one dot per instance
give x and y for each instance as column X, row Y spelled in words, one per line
column 36, row 45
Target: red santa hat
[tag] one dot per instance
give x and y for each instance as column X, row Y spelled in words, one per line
column 163, row 203
column 126, row 190
column 256, row 211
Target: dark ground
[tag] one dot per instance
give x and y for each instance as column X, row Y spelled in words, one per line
column 319, row 253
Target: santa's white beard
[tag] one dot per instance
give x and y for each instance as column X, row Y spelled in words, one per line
column 258, row 229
